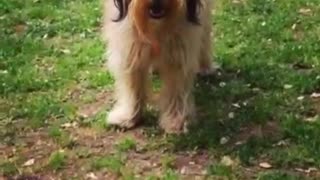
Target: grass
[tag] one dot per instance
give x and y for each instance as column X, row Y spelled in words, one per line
column 8, row 168
column 57, row 160
column 61, row 137
column 221, row 170
column 170, row 175
column 260, row 105
column 278, row 176
column 126, row 145
column 112, row 163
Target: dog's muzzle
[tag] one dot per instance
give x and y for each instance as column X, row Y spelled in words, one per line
column 157, row 9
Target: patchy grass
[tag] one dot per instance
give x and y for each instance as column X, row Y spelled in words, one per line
column 170, row 175
column 261, row 107
column 112, row 163
column 126, row 145
column 60, row 137
column 8, row 168
column 221, row 170
column 57, row 160
column 278, row 176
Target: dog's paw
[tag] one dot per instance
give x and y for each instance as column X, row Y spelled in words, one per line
column 207, row 70
column 123, row 118
column 174, row 125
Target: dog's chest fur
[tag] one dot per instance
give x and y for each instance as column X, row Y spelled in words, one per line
column 180, row 44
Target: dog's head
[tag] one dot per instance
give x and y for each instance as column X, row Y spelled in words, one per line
column 153, row 16
column 159, row 8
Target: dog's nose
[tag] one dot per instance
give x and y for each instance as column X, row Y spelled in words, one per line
column 157, row 9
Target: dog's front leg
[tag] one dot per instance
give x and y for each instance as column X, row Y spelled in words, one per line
column 176, row 99
column 130, row 92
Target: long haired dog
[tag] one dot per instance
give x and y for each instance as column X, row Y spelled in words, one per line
column 172, row 36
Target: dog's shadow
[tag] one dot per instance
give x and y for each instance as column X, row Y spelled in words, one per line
column 213, row 105
column 214, row 110
column 225, row 113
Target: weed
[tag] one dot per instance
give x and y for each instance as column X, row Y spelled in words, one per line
column 126, row 145
column 278, row 175
column 57, row 160
column 112, row 163
column 221, row 171
column 8, row 168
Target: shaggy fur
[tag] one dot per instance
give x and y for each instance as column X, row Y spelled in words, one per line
column 177, row 45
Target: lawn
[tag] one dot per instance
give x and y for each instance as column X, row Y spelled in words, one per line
column 258, row 116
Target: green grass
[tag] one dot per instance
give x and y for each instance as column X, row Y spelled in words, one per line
column 112, row 163
column 8, row 168
column 170, row 175
column 61, row 137
column 126, row 145
column 167, row 161
column 51, row 64
column 278, row 176
column 57, row 160
column 221, row 171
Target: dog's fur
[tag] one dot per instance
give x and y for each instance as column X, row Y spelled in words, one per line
column 178, row 46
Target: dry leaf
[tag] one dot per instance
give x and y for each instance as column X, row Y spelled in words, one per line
column 69, row 125
column 309, row 170
column 183, row 171
column 265, row 165
column 3, row 72
column 227, row 161
column 65, row 51
column 30, row 162
column 224, row 140
column 236, row 2
column 288, row 86
column 236, row 105
column 305, row 11
column 91, row 176
column 222, row 84
column 231, row 115
column 300, row 98
column 315, row 95
column 282, row 143
column 312, row 119
column 238, row 143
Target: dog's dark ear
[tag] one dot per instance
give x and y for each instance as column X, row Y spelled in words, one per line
column 122, row 6
column 192, row 10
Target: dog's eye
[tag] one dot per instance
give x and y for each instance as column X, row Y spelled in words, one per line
column 157, row 9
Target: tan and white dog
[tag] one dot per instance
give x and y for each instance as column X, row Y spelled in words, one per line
column 171, row 36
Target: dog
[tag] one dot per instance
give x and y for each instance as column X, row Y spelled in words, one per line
column 170, row 36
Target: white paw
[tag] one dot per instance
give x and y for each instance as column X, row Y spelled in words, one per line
column 123, row 117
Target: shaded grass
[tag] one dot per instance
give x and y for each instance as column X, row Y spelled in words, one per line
column 258, row 49
column 276, row 175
